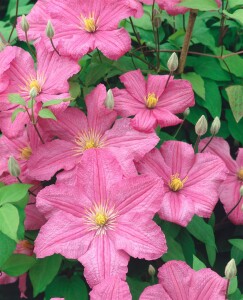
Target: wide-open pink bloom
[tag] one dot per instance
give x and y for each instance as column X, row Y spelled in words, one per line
column 7, row 54
column 152, row 102
column 112, row 288
column 78, row 134
column 95, row 220
column 178, row 281
column 49, row 79
column 170, row 6
column 89, row 25
column 191, row 180
column 229, row 192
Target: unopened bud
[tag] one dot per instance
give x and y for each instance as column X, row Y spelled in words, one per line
column 201, row 126
column 33, row 93
column 24, row 24
column 13, row 167
column 49, row 30
column 172, row 63
column 151, row 270
column 230, row 269
column 241, row 191
column 109, row 100
column 186, row 112
column 215, row 126
column 156, row 18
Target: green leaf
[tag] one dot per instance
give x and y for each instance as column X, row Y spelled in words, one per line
column 237, row 15
column 237, row 254
column 136, row 287
column 197, row 83
column 18, row 264
column 197, row 264
column 46, row 113
column 234, row 128
column 13, row 193
column 67, row 288
column 74, row 89
column 7, row 247
column 201, row 231
column 16, row 112
column 55, row 102
column 204, row 5
column 233, row 285
column 43, row 272
column 235, row 95
column 9, row 220
column 238, row 243
column 174, row 250
column 16, row 99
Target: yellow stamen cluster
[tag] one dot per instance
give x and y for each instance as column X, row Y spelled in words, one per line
column 151, row 100
column 35, row 84
column 89, row 24
column 26, row 152
column 100, row 218
column 176, row 183
column 240, row 174
column 88, row 140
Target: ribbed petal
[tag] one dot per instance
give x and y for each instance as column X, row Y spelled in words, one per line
column 125, row 104
column 135, row 84
column 34, row 219
column 52, row 157
column 112, row 288
column 63, row 234
column 218, row 146
column 177, row 96
column 156, row 84
column 145, row 120
column 139, row 194
column 99, row 117
column 113, row 44
column 165, row 118
column 141, row 239
column 103, row 260
column 239, row 159
column 155, row 292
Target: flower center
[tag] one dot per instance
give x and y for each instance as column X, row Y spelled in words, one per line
column 176, row 183
column 88, row 140
column 151, row 100
column 36, row 85
column 101, row 218
column 89, row 24
column 240, row 174
column 26, row 152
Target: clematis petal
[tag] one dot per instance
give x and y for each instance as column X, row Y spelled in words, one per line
column 108, row 262
column 112, row 288
column 155, row 292
column 63, row 234
column 144, row 120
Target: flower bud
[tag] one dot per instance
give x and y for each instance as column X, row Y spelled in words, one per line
column 156, row 18
column 109, row 100
column 201, row 126
column 33, row 92
column 172, row 63
column 13, row 167
column 186, row 112
column 215, row 126
column 49, row 30
column 241, row 191
column 24, row 24
column 230, row 269
column 151, row 270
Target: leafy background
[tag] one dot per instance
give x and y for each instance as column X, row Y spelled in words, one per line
column 217, row 79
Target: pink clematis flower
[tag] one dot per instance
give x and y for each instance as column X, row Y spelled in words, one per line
column 152, row 102
column 191, row 180
column 178, row 281
column 50, row 81
column 93, row 221
column 229, row 192
column 78, row 134
column 111, row 289
column 7, row 54
column 89, row 25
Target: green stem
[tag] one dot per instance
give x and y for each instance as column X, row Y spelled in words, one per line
column 53, row 46
column 210, row 140
column 15, row 21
